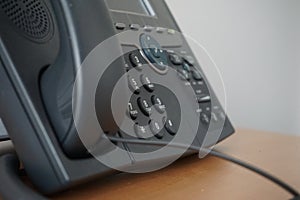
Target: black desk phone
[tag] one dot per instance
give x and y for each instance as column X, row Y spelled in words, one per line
column 47, row 48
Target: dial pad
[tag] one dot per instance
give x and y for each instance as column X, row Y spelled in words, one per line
column 149, row 99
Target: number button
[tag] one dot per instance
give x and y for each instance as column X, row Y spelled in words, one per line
column 142, row 132
column 149, row 86
column 133, row 113
column 144, row 106
column 133, row 85
column 158, row 104
column 156, row 129
column 169, row 126
column 135, row 61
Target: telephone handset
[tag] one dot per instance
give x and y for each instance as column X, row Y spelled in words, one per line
column 46, row 45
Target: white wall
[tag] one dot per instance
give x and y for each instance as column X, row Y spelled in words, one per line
column 256, row 45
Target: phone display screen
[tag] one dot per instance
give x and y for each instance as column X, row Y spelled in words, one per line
column 138, row 7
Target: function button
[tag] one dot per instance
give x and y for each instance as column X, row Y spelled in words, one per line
column 156, row 128
column 160, row 30
column 148, row 28
column 186, row 66
column 197, row 75
column 133, row 113
column 133, row 85
column 175, row 59
column 136, row 61
column 170, row 127
column 158, row 104
column 203, row 98
column 149, row 86
column 190, row 60
column 184, row 75
column 145, row 106
column 205, row 118
column 171, row 31
column 142, row 132
column 120, row 26
column 134, row 27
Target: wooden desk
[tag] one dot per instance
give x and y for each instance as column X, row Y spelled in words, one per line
column 210, row 178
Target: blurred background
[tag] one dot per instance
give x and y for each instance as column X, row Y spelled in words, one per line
column 256, row 45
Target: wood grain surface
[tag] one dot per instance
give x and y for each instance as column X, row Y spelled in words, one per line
column 209, row 178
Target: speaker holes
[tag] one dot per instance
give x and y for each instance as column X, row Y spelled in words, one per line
column 31, row 16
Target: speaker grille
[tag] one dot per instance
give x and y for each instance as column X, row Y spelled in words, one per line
column 31, row 16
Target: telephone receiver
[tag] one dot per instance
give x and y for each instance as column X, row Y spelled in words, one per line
column 49, row 52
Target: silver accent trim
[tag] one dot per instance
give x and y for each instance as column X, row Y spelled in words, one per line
column 148, row 7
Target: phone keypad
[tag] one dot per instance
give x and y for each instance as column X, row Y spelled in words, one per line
column 148, row 98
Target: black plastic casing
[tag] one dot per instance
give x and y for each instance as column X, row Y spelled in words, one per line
column 30, row 86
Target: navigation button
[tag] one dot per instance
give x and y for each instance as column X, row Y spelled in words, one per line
column 155, row 51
